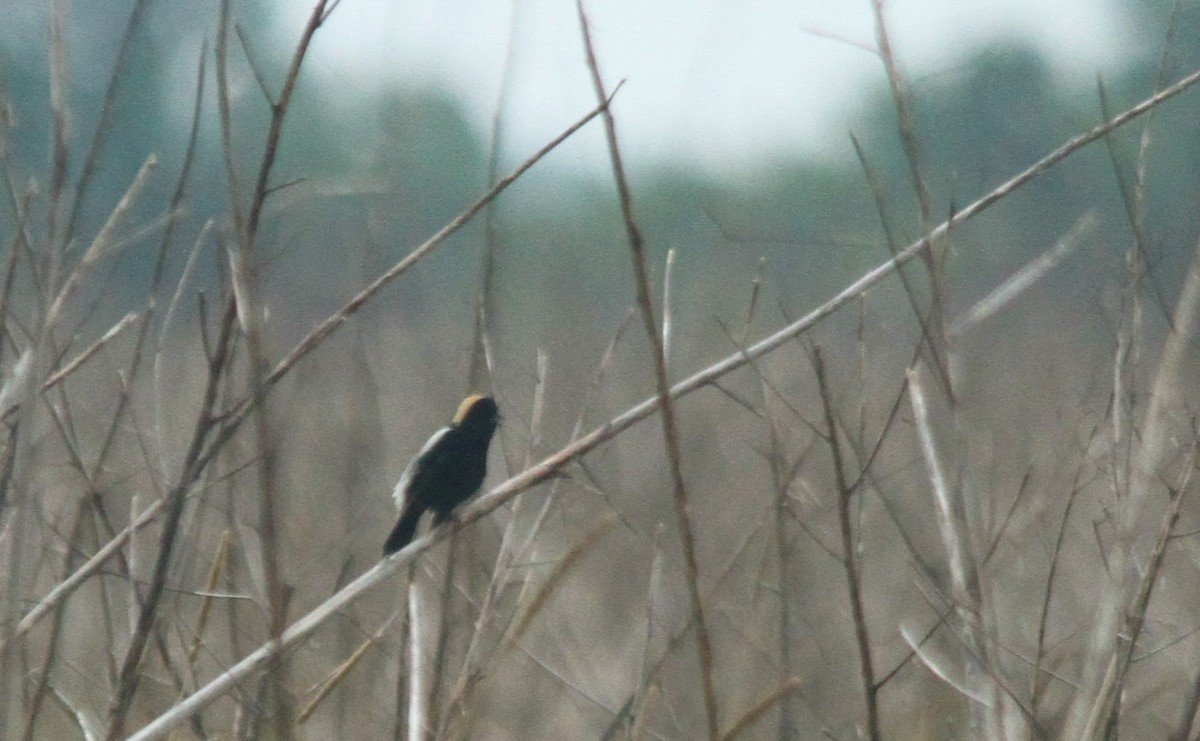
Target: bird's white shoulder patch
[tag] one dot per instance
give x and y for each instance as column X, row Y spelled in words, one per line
column 411, row 469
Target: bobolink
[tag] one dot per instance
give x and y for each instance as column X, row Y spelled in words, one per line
column 447, row 471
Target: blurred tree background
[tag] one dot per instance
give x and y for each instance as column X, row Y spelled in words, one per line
column 374, row 178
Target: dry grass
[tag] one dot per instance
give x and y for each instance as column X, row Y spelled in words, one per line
column 968, row 521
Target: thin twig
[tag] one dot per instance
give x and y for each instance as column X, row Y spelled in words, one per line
column 1039, row 683
column 786, row 688
column 555, row 578
column 100, row 246
column 210, row 587
column 74, row 364
column 654, row 596
column 255, row 67
column 342, row 671
column 1020, row 281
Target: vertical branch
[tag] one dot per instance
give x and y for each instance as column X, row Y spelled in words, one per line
column 246, row 290
column 783, row 553
column 226, row 115
column 901, row 99
column 210, row 586
column 442, row 628
column 668, row 274
column 850, row 561
column 58, row 159
column 42, row 683
column 20, row 239
column 20, row 522
column 666, row 405
column 878, row 193
column 1134, row 618
column 965, row 592
column 642, row 694
column 1187, row 713
column 906, row 119
column 485, row 314
column 403, row 677
column 25, row 386
column 419, row 687
column 279, row 110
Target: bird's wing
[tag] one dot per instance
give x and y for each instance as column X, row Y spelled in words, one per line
column 411, row 470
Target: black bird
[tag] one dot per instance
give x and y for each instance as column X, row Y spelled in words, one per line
column 447, row 471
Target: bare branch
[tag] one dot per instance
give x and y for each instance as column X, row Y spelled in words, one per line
column 659, row 361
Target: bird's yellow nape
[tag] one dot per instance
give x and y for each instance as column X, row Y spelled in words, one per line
column 466, row 405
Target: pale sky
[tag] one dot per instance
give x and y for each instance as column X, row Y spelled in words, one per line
column 716, row 83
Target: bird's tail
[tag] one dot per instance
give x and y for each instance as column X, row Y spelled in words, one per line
column 403, row 533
